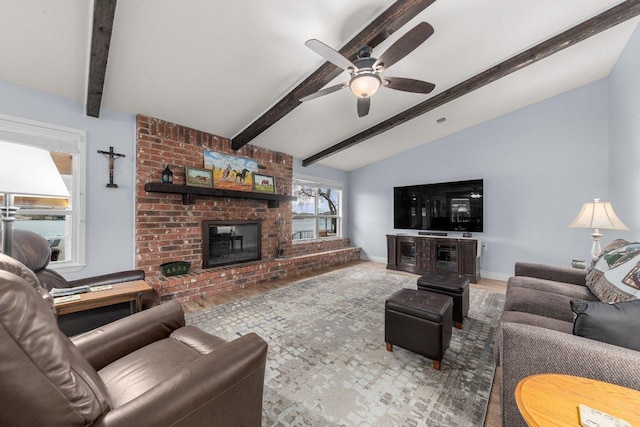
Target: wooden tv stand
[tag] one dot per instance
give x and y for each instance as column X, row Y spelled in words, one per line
column 421, row 254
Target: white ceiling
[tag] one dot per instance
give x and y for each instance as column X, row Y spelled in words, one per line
column 218, row 65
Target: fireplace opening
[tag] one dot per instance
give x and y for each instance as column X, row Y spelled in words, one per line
column 230, row 242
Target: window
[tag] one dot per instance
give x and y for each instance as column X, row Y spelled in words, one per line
column 60, row 220
column 318, row 211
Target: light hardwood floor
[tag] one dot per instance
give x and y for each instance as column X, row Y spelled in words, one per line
column 493, row 418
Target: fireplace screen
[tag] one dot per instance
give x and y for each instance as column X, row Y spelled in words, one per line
column 229, row 242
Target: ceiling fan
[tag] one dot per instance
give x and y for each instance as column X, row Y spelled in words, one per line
column 366, row 71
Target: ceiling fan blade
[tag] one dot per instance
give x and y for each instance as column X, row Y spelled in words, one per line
column 363, row 106
column 408, row 85
column 329, row 54
column 323, row 92
column 405, row 45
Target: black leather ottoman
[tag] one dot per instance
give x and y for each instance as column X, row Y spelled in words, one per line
column 418, row 321
column 452, row 285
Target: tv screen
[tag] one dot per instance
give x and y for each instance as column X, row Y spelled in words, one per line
column 447, row 206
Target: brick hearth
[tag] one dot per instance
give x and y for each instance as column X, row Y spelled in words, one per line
column 168, row 231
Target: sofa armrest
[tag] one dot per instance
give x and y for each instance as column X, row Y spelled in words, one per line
column 114, row 340
column 223, row 387
column 569, row 275
column 528, row 350
column 108, row 279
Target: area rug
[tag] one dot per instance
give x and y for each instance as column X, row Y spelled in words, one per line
column 327, row 363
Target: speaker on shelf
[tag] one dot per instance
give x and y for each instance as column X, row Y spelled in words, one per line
column 431, row 233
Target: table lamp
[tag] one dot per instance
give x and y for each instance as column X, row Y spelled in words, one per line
column 25, row 171
column 597, row 215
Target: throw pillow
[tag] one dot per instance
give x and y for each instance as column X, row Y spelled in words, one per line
column 616, row 324
column 615, row 274
column 613, row 245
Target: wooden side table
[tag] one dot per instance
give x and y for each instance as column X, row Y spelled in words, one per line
column 120, row 292
column 552, row 400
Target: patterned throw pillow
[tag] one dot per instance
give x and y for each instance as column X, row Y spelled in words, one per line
column 615, row 244
column 615, row 275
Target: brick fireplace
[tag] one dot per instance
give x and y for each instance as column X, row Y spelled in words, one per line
column 168, row 230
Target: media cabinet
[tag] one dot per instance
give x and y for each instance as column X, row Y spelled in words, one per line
column 420, row 254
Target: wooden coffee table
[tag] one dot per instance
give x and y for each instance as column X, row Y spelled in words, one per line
column 552, row 400
column 120, row 292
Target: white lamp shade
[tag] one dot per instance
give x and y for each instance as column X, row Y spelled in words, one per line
column 599, row 215
column 364, row 85
column 28, row 171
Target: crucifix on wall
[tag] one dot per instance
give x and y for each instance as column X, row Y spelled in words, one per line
column 112, row 156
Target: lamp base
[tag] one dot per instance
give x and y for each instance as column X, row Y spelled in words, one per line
column 595, row 248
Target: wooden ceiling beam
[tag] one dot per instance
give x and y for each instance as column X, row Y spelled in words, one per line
column 392, row 19
column 103, row 15
column 614, row 16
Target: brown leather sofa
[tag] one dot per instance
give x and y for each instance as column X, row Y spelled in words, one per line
column 148, row 369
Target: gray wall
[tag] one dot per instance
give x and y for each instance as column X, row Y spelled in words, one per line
column 624, row 155
column 110, row 225
column 539, row 165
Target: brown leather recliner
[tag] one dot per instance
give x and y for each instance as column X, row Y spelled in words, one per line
column 33, row 250
column 148, row 369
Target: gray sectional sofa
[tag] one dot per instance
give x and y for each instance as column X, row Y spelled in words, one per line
column 536, row 333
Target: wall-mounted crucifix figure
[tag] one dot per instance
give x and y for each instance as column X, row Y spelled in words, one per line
column 112, row 156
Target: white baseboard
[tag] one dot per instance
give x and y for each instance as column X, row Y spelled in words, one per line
column 379, row 259
column 495, row 276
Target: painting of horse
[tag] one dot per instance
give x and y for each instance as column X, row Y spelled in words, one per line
column 242, row 175
column 264, row 183
column 198, row 177
column 230, row 172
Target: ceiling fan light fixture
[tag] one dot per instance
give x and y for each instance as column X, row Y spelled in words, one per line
column 365, row 84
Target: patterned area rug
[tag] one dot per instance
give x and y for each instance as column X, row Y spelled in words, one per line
column 327, row 363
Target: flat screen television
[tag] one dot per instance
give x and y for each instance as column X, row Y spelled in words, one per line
column 447, row 206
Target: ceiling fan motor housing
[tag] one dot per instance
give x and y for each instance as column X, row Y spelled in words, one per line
column 364, row 63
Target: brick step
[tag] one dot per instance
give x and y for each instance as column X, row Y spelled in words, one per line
column 211, row 282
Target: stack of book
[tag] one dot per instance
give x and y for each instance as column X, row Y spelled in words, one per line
column 63, row 292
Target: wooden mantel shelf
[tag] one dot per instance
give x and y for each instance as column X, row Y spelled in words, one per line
column 189, row 193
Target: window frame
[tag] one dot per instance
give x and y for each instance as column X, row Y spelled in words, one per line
column 64, row 140
column 318, row 183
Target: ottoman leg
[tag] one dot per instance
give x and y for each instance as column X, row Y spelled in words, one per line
column 436, row 365
column 389, row 346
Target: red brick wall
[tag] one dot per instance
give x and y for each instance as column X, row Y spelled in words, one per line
column 167, row 231
column 317, row 246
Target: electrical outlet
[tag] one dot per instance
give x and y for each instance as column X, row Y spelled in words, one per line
column 167, row 297
column 484, row 246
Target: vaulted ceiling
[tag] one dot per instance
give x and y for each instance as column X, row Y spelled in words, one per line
column 218, row 66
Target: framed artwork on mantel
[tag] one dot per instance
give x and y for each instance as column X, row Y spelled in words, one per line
column 198, row 177
column 264, row 183
column 230, row 172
